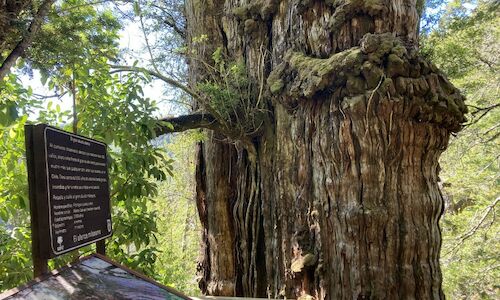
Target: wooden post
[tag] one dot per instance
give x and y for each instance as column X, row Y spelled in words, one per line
column 40, row 265
column 101, row 247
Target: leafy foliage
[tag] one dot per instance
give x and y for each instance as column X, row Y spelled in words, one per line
column 111, row 108
column 13, row 100
column 86, row 39
column 15, row 250
column 15, row 260
column 178, row 219
column 466, row 47
column 110, row 102
column 229, row 94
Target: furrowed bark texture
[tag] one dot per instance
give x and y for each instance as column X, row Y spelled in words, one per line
column 338, row 199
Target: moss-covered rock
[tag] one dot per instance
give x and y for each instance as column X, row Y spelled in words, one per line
column 275, row 81
column 399, row 50
column 380, row 44
column 315, row 74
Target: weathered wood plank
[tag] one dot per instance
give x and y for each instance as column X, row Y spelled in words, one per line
column 93, row 277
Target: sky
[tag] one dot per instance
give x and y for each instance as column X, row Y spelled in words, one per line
column 132, row 38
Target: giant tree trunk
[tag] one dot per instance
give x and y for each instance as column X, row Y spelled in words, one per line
column 336, row 195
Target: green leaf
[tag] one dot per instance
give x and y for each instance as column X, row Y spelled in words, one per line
column 12, row 133
column 137, row 8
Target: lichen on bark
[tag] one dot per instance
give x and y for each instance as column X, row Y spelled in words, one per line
column 346, row 9
column 380, row 64
column 257, row 9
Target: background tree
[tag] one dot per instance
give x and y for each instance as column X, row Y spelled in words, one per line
column 465, row 45
column 178, row 225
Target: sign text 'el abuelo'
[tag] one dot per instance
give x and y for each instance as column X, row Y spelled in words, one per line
column 70, row 186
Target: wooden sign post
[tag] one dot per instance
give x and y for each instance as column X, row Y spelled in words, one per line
column 69, row 193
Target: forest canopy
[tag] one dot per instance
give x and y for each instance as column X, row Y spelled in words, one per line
column 66, row 63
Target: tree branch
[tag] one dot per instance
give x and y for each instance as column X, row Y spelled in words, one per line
column 203, row 120
column 475, row 228
column 213, row 113
column 168, row 80
column 488, row 63
column 147, row 41
column 483, row 110
column 479, row 109
column 41, row 97
column 171, row 23
column 187, row 122
column 27, row 39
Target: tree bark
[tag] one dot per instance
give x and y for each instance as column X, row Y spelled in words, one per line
column 337, row 197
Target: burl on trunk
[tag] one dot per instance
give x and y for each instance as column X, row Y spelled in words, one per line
column 331, row 191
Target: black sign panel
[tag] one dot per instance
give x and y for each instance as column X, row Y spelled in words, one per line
column 71, row 190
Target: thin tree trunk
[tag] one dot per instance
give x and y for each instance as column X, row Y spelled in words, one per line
column 338, row 199
column 75, row 102
column 27, row 39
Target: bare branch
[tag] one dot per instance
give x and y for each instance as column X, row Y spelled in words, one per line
column 207, row 121
column 187, row 122
column 147, row 42
column 27, row 39
column 483, row 110
column 476, row 227
column 479, row 109
column 491, row 129
column 42, row 97
column 168, row 80
column 491, row 65
column 176, row 84
column 170, row 21
column 172, row 24
column 487, row 211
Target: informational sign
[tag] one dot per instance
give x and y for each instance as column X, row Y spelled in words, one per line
column 69, row 189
